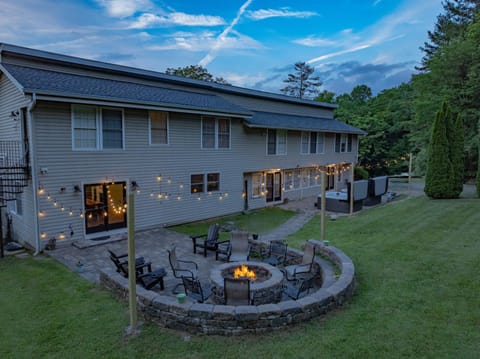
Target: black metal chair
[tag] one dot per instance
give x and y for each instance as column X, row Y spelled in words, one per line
column 277, row 253
column 300, row 287
column 121, row 264
column 181, row 268
column 237, row 291
column 305, row 266
column 208, row 241
column 195, row 290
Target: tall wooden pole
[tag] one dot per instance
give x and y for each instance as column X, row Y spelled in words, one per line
column 352, row 179
column 132, row 289
column 323, row 204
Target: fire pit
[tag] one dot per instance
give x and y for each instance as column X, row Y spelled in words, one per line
column 265, row 280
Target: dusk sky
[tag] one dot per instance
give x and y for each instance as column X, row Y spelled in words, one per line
column 250, row 43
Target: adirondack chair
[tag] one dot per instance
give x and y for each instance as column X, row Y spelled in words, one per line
column 121, row 264
column 207, row 242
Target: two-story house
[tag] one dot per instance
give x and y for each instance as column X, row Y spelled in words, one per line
column 76, row 135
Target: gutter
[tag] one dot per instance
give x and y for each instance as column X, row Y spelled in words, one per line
column 30, row 107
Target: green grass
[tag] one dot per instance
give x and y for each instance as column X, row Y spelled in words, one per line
column 256, row 221
column 417, row 265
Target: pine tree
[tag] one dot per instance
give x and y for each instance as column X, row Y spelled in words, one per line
column 302, row 84
column 439, row 177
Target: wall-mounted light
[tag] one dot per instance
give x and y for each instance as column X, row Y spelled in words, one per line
column 15, row 115
column 134, row 186
column 63, row 189
column 76, row 188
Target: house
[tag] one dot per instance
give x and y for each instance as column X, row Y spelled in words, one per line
column 77, row 135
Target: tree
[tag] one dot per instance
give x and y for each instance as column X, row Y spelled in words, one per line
column 302, row 84
column 439, row 177
column 326, row 96
column 196, row 72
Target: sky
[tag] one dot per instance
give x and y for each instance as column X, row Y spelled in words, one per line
column 250, row 43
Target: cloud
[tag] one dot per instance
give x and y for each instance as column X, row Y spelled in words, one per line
column 124, row 8
column 341, row 78
column 222, row 38
column 312, row 41
column 205, row 41
column 284, row 12
column 148, row 20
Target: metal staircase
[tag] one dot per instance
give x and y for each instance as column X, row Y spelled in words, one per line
column 14, row 175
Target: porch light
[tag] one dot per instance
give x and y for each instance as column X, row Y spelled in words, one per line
column 134, row 186
column 77, row 189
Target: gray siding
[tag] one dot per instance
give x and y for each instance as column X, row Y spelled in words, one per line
column 143, row 163
column 11, row 99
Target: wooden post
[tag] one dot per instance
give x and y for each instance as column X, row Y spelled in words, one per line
column 352, row 179
column 132, row 289
column 323, row 204
column 410, row 160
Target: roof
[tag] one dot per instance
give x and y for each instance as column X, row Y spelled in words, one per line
column 54, row 83
column 154, row 75
column 296, row 122
column 189, row 96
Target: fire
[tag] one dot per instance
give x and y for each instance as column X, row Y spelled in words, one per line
column 244, row 272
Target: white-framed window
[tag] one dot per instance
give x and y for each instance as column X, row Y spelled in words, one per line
column 343, row 142
column 95, row 128
column 313, row 142
column 199, row 180
column 276, row 142
column 158, row 127
column 215, row 133
column 257, row 185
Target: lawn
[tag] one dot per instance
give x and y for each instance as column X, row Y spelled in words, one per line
column 417, row 263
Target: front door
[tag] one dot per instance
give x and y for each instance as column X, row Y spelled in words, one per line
column 274, row 186
column 105, row 206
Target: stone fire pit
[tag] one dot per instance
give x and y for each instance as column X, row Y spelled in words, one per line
column 267, row 288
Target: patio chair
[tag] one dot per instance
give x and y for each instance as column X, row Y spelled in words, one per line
column 181, row 268
column 236, row 291
column 239, row 248
column 300, row 287
column 151, row 279
column 208, row 241
column 277, row 253
column 121, row 264
column 195, row 290
column 305, row 266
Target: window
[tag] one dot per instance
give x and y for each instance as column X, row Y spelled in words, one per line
column 158, row 127
column 95, row 128
column 197, row 182
column 343, row 142
column 257, row 184
column 276, row 142
column 313, row 142
column 215, row 133
column 213, row 182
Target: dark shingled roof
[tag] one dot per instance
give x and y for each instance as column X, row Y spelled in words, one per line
column 297, row 122
column 49, row 82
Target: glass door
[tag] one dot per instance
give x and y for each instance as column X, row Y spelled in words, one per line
column 105, row 206
column 274, row 186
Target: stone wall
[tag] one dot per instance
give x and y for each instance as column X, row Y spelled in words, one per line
column 202, row 318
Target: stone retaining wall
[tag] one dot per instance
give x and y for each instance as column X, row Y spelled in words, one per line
column 202, row 318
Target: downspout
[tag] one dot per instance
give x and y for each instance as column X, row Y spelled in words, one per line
column 30, row 108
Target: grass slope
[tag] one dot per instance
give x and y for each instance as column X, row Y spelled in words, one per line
column 417, row 265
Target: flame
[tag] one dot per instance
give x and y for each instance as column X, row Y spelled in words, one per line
column 244, row 272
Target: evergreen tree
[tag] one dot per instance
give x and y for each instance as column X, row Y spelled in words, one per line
column 439, row 177
column 302, row 84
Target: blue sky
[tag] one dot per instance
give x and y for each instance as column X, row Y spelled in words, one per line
column 250, row 43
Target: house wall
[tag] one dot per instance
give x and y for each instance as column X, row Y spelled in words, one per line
column 11, row 99
column 142, row 162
